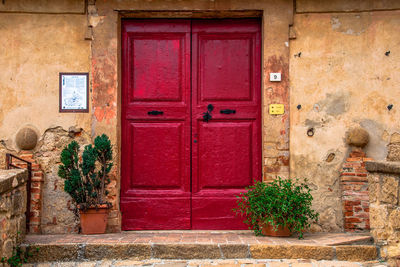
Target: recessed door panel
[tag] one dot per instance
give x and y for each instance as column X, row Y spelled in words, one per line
column 157, row 144
column 225, row 155
column 225, row 55
column 157, row 66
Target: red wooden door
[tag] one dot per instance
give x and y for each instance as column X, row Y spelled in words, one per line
column 178, row 171
column 226, row 157
column 155, row 173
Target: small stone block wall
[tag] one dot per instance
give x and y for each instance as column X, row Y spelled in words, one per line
column 12, row 209
column 384, row 186
column 354, row 183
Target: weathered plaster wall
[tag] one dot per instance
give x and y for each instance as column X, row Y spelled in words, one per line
column 39, row 40
column 341, row 77
column 36, row 48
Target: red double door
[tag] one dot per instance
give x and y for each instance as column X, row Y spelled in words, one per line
column 181, row 170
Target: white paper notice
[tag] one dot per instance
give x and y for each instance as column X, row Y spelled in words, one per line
column 74, row 90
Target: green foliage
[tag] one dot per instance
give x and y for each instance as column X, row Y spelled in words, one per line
column 282, row 202
column 19, row 256
column 86, row 179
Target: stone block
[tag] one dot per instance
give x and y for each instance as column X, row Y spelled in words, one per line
column 46, row 253
column 18, row 203
column 356, row 253
column 378, row 215
column 393, row 238
column 394, row 219
column 390, row 190
column 393, row 251
column 373, row 188
column 7, row 248
column 291, row 252
column 195, row 251
column 117, row 251
column 234, row 251
column 394, row 152
column 380, row 234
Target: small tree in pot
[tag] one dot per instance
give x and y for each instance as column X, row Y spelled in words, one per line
column 278, row 208
column 86, row 180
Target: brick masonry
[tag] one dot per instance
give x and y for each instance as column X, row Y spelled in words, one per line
column 37, row 180
column 354, row 184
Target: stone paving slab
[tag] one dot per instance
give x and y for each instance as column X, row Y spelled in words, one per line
column 201, row 237
column 211, row 263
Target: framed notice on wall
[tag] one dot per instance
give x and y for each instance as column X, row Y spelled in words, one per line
column 74, row 92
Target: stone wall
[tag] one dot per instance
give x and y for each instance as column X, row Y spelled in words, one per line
column 12, row 209
column 384, row 194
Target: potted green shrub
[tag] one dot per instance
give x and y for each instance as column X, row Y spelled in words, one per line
column 283, row 205
column 86, row 179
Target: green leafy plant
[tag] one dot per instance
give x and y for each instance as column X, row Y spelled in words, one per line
column 282, row 202
column 18, row 256
column 86, row 178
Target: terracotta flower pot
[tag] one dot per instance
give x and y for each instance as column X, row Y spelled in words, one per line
column 268, row 230
column 94, row 220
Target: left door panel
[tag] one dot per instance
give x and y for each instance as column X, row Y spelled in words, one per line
column 155, row 173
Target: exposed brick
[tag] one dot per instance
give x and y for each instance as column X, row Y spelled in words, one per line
column 348, row 174
column 348, row 208
column 354, row 159
column 352, row 203
column 352, row 220
column 354, row 178
column 349, row 226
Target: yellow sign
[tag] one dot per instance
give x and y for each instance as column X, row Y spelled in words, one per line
column 276, row 109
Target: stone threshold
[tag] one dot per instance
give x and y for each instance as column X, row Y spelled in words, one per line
column 142, row 245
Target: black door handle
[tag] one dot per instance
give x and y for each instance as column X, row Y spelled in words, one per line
column 155, row 112
column 227, row 111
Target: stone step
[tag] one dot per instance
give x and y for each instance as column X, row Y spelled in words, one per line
column 210, row 263
column 201, row 245
column 93, row 252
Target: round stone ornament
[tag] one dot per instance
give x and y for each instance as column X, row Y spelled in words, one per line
column 26, row 138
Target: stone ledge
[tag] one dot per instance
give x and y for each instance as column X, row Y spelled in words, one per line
column 84, row 252
column 10, row 179
column 383, row 166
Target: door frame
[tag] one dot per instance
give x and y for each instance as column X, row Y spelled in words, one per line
column 276, row 17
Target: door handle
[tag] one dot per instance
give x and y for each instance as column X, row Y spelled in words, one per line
column 227, row 111
column 207, row 115
column 155, row 112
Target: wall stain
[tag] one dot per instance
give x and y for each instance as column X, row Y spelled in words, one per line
column 351, row 24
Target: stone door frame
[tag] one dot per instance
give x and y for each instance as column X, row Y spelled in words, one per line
column 106, row 70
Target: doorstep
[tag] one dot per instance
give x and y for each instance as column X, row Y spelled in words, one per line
column 142, row 245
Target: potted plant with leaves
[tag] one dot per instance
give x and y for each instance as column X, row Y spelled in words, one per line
column 279, row 208
column 86, row 179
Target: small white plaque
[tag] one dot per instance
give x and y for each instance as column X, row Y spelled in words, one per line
column 275, row 77
column 74, row 92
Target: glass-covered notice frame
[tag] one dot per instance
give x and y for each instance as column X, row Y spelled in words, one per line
column 74, row 92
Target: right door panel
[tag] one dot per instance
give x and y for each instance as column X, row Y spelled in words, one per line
column 226, row 150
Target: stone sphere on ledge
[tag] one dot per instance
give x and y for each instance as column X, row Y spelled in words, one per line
column 357, row 137
column 26, row 138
